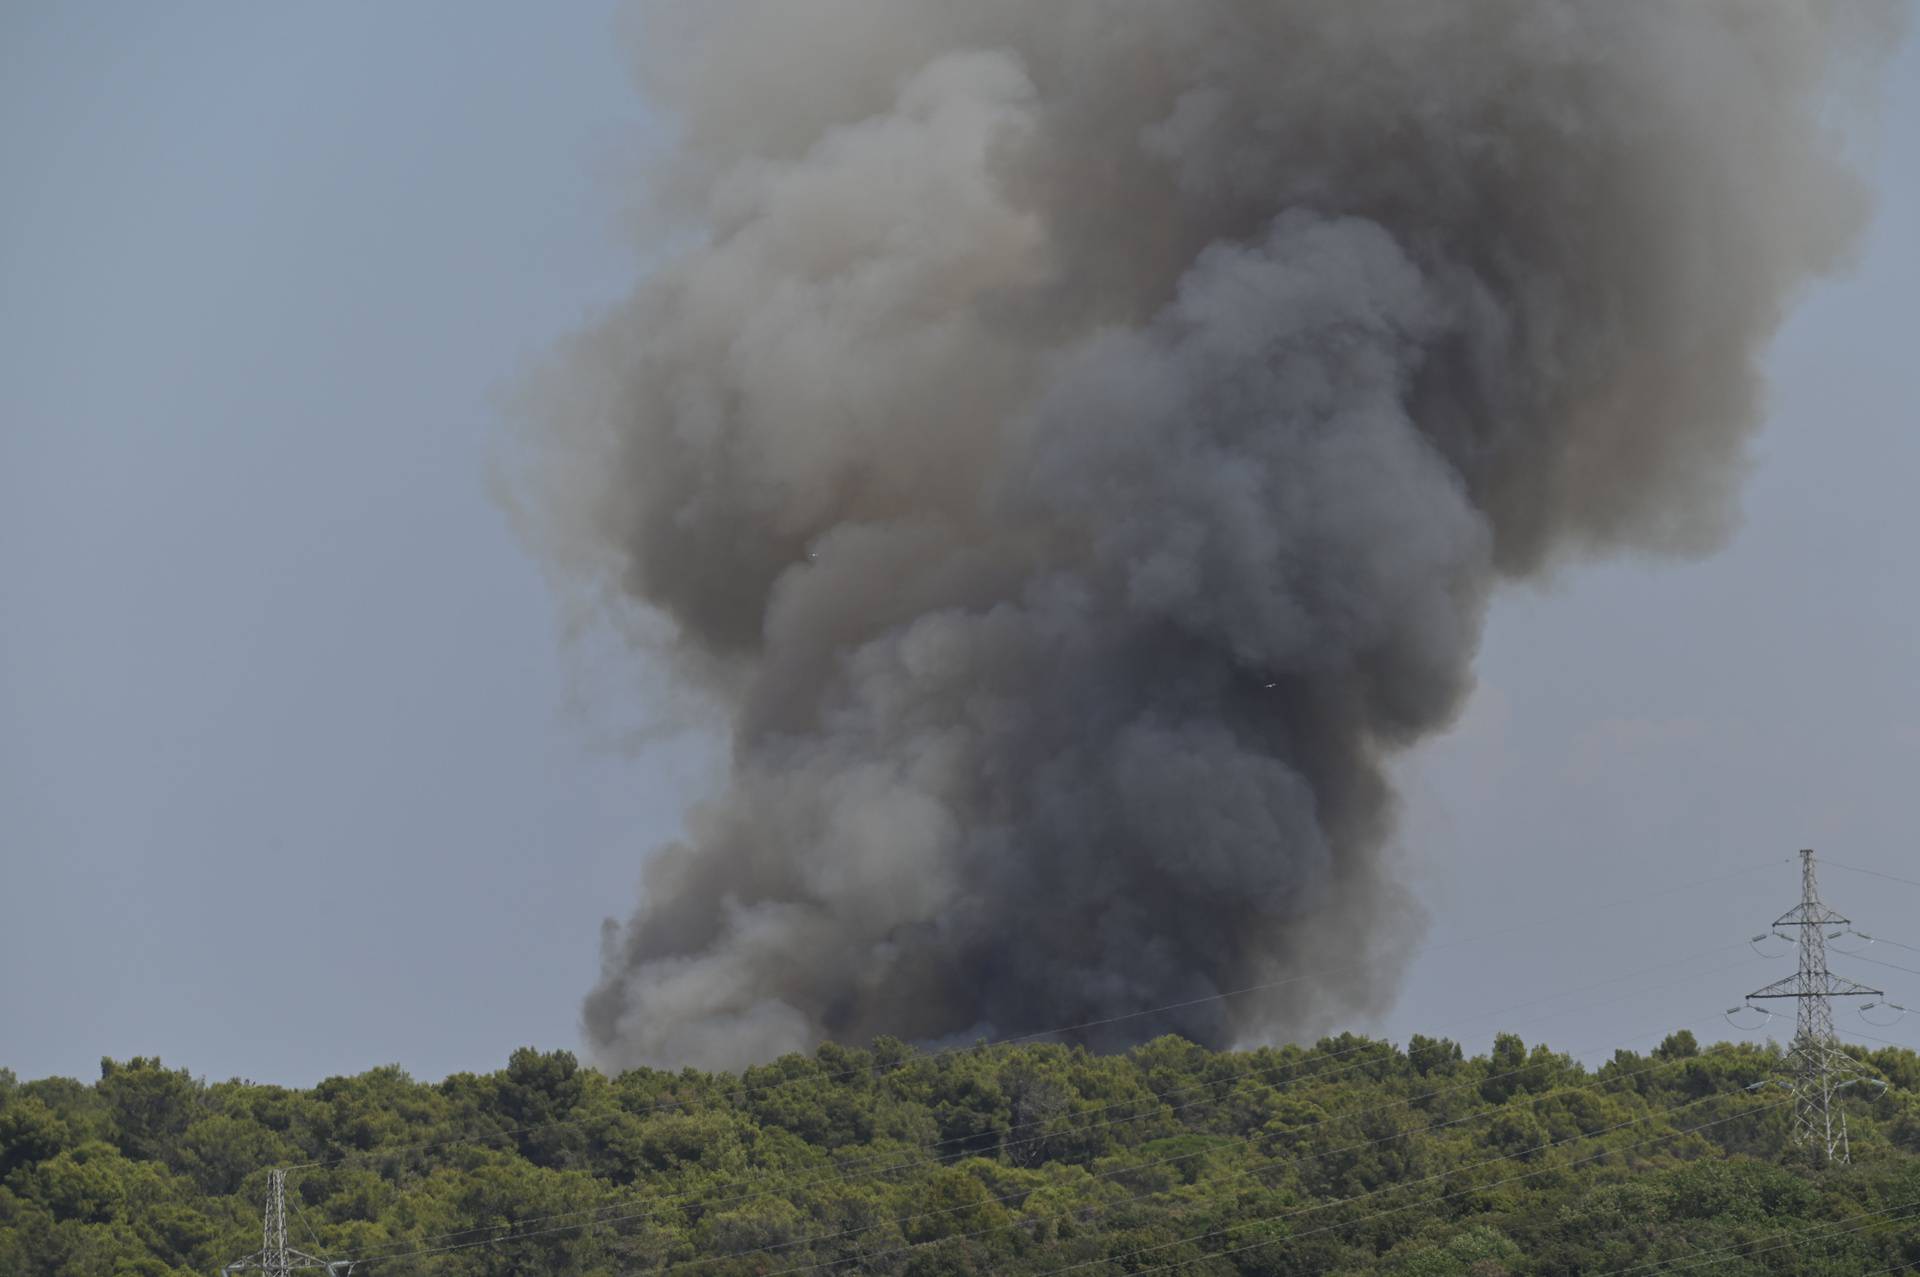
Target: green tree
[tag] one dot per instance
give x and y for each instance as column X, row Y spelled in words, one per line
column 1677, row 1046
column 151, row 1106
column 1432, row 1055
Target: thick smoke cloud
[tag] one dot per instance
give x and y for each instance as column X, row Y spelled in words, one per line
column 1076, row 440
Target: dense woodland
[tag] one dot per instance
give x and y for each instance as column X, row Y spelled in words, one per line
column 1351, row 1157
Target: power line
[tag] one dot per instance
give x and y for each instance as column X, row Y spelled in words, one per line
column 302, row 1217
column 739, row 1094
column 1478, row 1188
column 1859, row 1224
column 1873, row 873
column 1358, row 1112
column 657, row 1205
column 654, row 1207
column 1904, row 1046
column 1182, row 1157
column 1269, row 1165
column 1332, row 1117
column 1891, row 966
column 1704, row 1257
column 1868, row 1037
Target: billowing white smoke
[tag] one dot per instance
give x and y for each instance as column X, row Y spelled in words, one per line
column 1078, row 439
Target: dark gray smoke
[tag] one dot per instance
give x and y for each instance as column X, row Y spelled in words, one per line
column 1076, row 439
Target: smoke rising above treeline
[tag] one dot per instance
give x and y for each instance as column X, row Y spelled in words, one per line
column 1076, row 442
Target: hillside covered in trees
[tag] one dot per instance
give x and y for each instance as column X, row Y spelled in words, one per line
column 1352, row 1157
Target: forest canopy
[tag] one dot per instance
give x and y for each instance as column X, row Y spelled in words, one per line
column 1353, row 1156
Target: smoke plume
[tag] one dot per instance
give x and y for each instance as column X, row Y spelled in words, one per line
column 1076, row 441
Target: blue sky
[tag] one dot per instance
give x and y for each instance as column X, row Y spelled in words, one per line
column 300, row 773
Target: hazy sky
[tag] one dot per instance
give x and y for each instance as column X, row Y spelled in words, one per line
column 299, row 773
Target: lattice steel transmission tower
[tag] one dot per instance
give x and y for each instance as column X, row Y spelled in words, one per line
column 1815, row 1066
column 276, row 1258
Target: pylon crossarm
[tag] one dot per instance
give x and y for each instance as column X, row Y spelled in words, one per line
column 1833, row 1063
column 1830, row 1057
column 295, row 1259
column 1818, row 984
column 1787, row 988
column 1841, row 987
column 1812, row 914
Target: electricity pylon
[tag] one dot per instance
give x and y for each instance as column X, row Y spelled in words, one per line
column 276, row 1258
column 1815, row 1066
